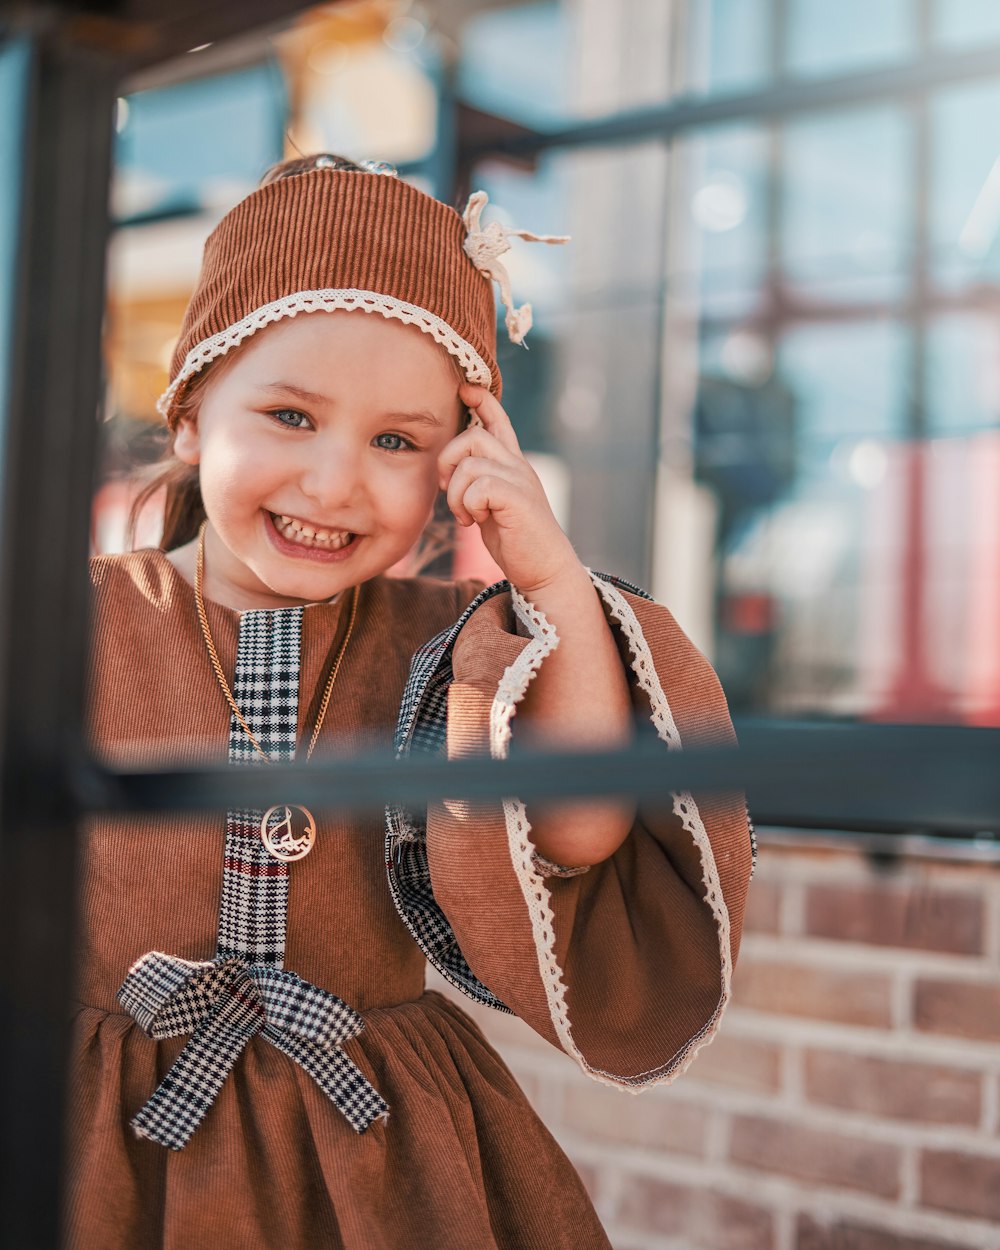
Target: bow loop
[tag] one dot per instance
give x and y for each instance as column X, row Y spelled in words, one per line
column 224, row 1003
column 304, row 1010
column 484, row 245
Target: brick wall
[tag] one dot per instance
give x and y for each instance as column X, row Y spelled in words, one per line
column 851, row 1100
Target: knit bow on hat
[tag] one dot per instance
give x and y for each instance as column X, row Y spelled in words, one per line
column 484, row 246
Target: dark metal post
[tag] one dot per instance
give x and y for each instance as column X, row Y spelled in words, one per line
column 48, row 443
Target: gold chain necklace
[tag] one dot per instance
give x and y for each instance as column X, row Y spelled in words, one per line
column 277, row 829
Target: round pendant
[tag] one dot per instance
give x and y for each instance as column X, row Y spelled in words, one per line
column 288, row 831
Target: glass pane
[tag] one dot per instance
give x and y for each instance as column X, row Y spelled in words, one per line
column 802, row 466
column 543, row 63
column 729, row 45
column 961, row 22
column 13, row 84
column 963, row 373
column 169, row 157
column 824, row 38
column 719, row 243
column 965, row 185
column 848, row 204
column 584, row 394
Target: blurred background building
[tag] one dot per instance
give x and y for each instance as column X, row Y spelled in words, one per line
column 764, row 382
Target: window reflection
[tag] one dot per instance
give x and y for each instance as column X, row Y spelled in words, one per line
column 965, row 22
column 722, row 198
column 729, row 44
column 848, row 204
column 764, row 378
column 13, row 84
column 848, row 36
column 965, row 184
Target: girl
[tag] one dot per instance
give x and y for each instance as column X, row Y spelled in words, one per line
column 257, row 1062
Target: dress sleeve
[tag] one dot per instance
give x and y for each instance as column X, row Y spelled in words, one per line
column 627, row 965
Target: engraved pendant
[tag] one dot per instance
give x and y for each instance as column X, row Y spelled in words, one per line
column 288, row 831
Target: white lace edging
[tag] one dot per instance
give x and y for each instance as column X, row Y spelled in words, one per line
column 329, row 299
column 685, row 807
column 530, row 872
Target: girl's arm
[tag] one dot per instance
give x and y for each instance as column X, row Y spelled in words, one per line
column 580, row 696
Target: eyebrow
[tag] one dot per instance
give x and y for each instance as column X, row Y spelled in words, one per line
column 420, row 416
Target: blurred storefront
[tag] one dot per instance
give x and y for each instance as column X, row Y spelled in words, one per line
column 777, row 321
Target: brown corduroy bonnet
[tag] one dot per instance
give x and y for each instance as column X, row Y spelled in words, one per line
column 330, row 239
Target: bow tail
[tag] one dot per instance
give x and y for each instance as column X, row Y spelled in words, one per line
column 180, row 1101
column 338, row 1077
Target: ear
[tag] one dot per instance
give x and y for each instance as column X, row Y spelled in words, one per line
column 187, row 441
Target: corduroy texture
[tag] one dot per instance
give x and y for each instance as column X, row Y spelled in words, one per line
column 462, row 1163
column 337, row 230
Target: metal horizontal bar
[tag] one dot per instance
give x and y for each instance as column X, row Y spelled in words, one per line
column 928, row 778
column 790, row 97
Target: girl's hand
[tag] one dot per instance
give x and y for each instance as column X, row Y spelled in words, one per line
column 489, row 483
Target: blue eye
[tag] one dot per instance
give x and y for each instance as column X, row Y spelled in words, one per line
column 291, row 417
column 392, row 442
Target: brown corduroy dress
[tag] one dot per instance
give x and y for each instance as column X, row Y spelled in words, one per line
column 625, row 966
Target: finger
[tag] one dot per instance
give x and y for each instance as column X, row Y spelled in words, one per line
column 470, row 470
column 486, row 496
column 472, row 442
column 489, row 410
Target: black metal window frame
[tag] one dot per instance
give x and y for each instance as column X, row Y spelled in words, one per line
column 77, row 59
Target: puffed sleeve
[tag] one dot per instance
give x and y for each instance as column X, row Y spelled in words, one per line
column 627, row 965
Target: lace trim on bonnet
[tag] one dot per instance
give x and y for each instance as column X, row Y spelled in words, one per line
column 484, row 245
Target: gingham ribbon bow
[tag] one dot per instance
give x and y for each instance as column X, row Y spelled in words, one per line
column 226, row 1002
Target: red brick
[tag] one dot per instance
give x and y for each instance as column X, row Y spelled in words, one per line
column 763, row 908
column 597, row 1112
column 826, row 1158
column 845, row 1235
column 897, row 1089
column 959, row 1008
column 706, row 1220
column 893, row 915
column 738, row 1063
column 821, row 993
column 967, row 1184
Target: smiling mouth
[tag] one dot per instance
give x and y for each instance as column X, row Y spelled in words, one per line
column 294, row 531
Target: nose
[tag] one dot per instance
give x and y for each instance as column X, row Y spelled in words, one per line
column 331, row 478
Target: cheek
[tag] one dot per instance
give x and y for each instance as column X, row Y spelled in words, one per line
column 232, row 474
column 408, row 499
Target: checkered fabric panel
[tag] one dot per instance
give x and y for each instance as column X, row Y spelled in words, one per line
column 185, row 1094
column 303, row 1021
column 337, row 1076
column 245, row 990
column 422, row 730
column 266, row 689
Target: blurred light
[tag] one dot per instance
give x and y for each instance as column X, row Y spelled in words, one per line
column 328, row 58
column 867, row 463
column 721, row 204
column 121, row 114
column 580, row 405
column 748, row 357
column 200, row 48
column 404, row 34
column 980, row 227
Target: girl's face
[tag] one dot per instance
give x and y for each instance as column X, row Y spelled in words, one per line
column 317, row 447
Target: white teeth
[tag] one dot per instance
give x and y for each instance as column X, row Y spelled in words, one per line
column 306, row 536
